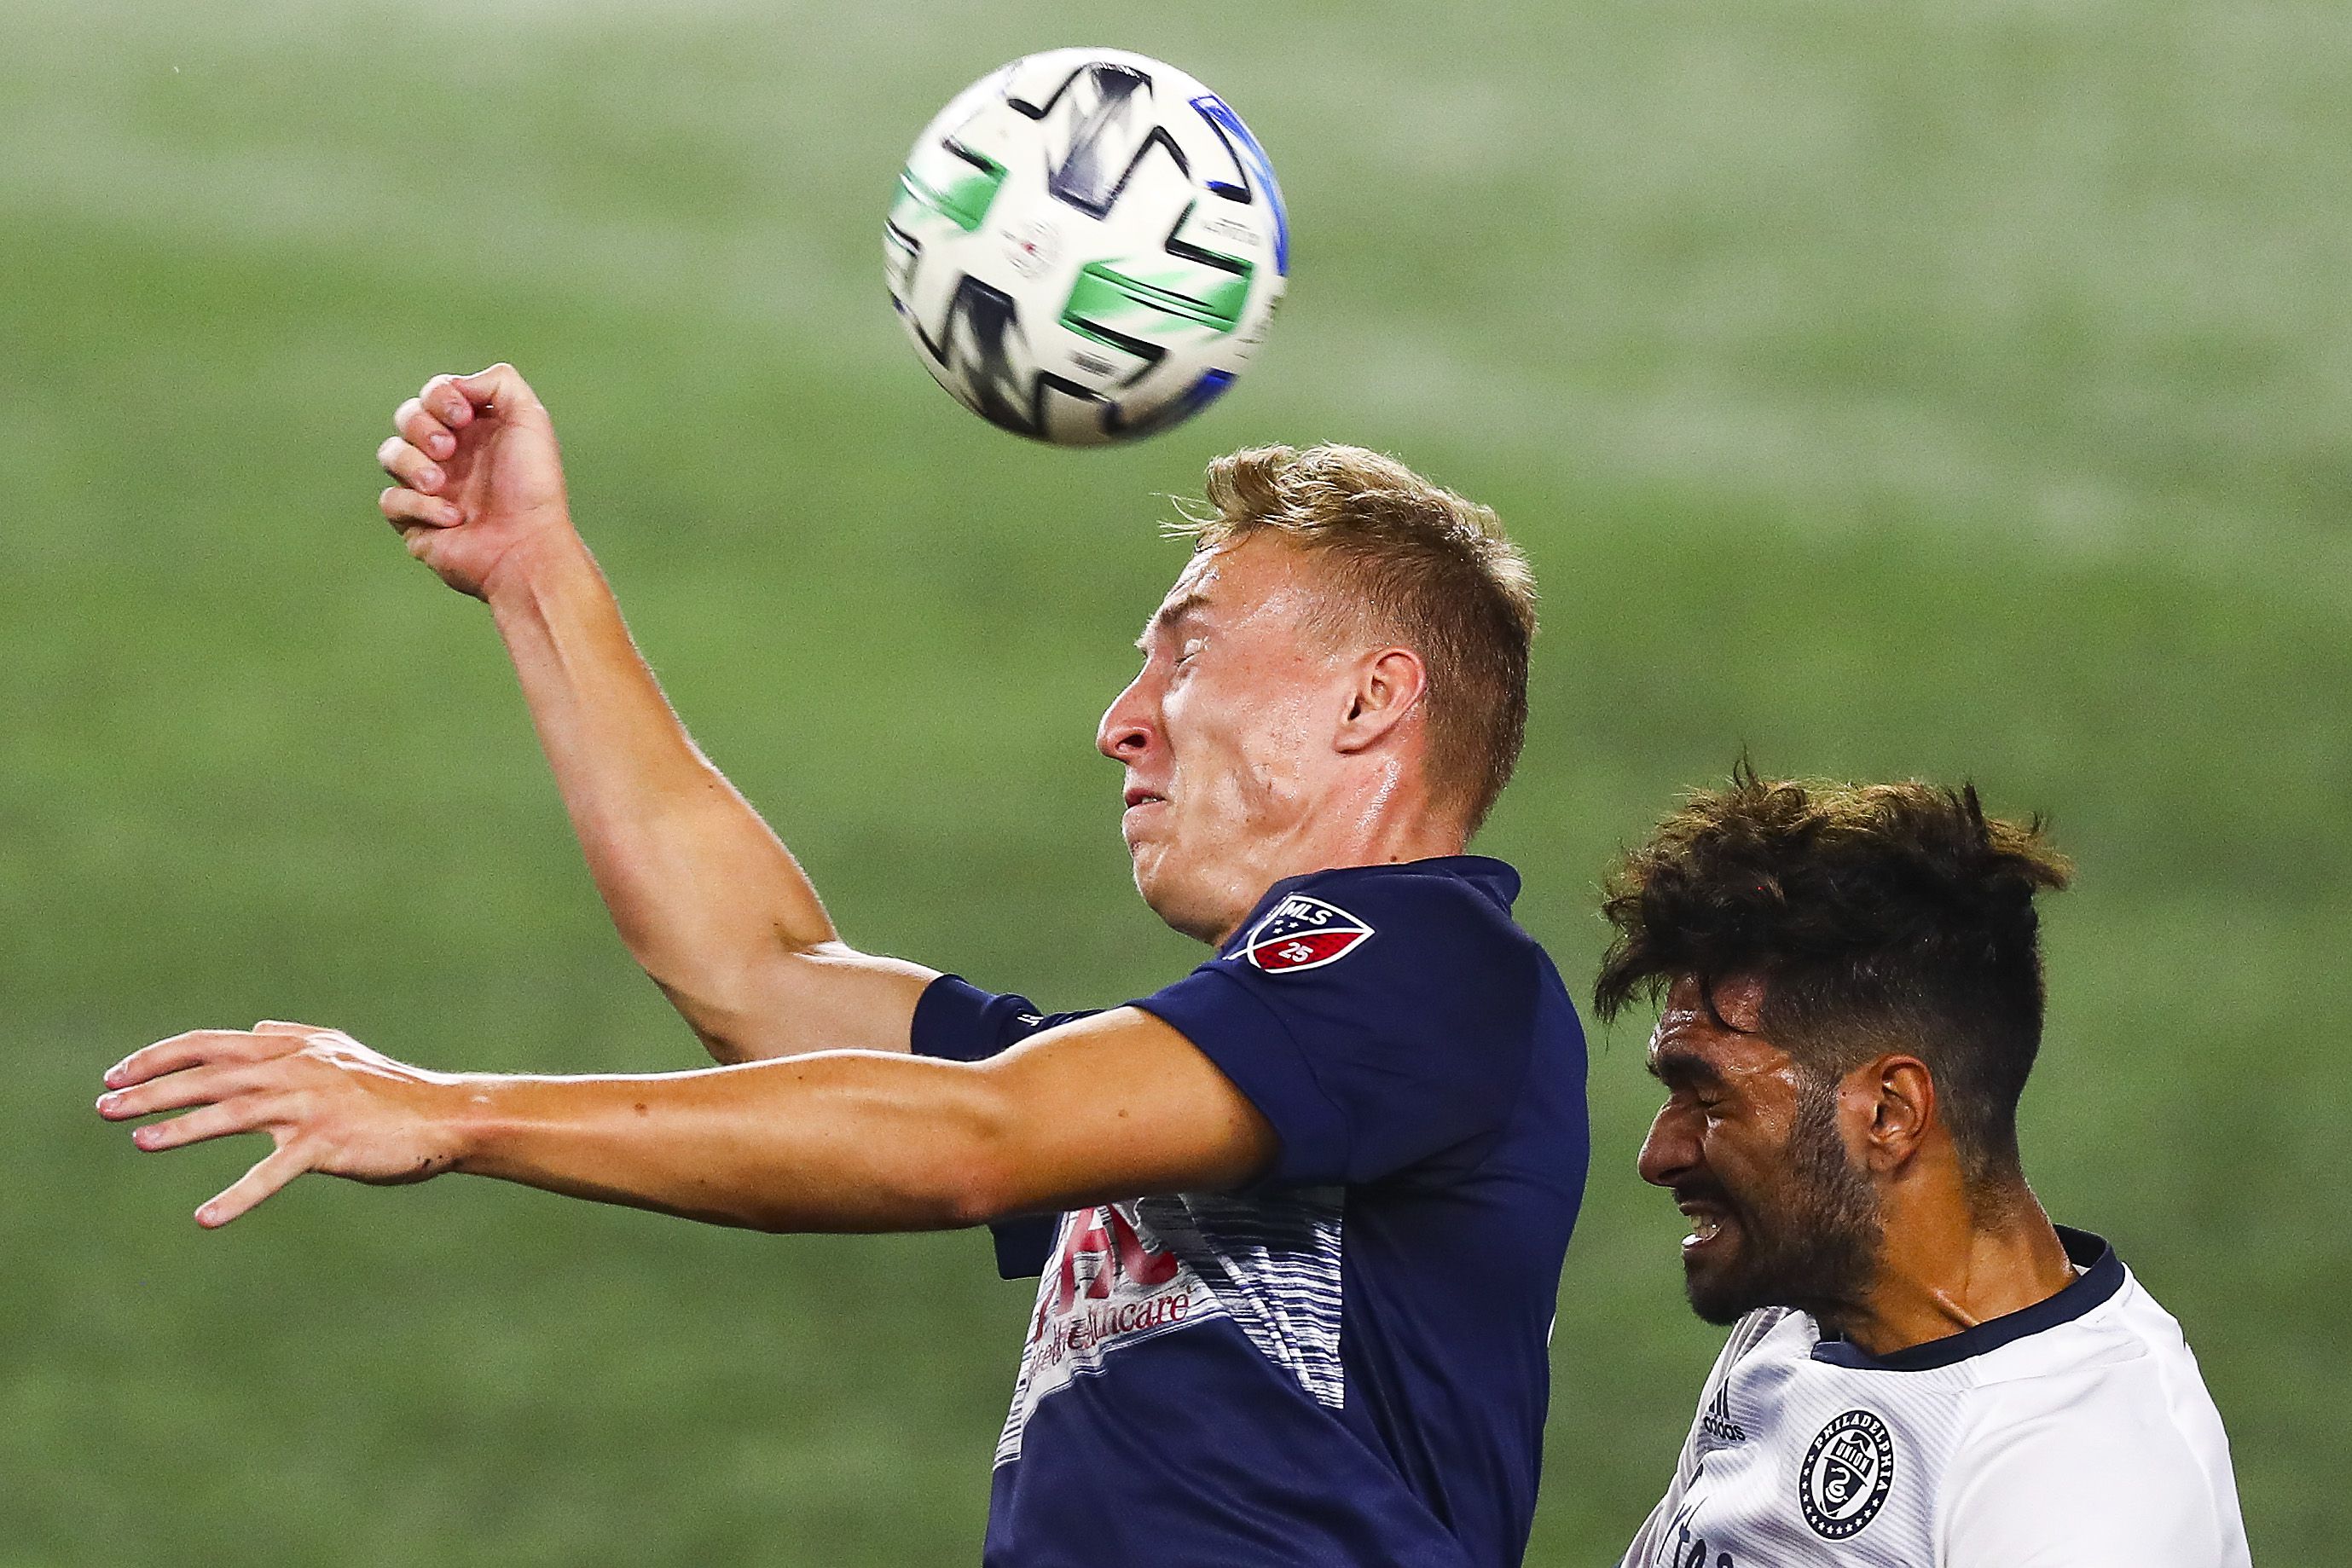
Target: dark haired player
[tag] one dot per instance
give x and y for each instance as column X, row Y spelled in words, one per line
column 1923, row 1369
column 1300, row 1214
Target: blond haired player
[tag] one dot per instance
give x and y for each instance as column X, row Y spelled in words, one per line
column 1299, row 1215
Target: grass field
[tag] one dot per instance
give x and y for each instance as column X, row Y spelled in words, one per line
column 1953, row 391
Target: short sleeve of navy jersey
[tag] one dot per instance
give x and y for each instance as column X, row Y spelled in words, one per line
column 957, row 1022
column 1411, row 1044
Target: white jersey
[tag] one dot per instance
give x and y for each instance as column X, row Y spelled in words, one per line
column 2074, row 1434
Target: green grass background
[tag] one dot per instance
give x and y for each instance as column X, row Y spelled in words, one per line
column 1952, row 390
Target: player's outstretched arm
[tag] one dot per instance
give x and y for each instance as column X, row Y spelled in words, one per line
column 706, row 897
column 1111, row 1106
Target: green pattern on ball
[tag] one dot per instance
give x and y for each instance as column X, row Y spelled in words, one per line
column 1147, row 306
column 963, row 201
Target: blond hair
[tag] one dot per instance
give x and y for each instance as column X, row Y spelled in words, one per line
column 1413, row 561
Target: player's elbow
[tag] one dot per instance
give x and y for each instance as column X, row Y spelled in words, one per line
column 981, row 1176
column 984, row 1188
column 969, row 1200
column 727, row 1007
column 774, row 1000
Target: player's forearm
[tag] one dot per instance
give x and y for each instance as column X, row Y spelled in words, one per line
column 842, row 1141
column 707, row 898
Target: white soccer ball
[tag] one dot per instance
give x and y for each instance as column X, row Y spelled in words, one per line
column 1087, row 247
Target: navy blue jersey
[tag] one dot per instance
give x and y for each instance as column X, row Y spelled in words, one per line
column 1344, row 1364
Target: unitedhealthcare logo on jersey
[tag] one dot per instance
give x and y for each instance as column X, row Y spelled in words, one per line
column 1112, row 1282
column 1303, row 933
column 1848, row 1472
column 1108, row 1279
column 1126, row 1273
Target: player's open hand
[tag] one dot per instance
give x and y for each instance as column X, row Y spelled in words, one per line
column 328, row 1102
column 479, row 478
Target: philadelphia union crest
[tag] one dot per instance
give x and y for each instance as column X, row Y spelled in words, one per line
column 1848, row 1472
column 1304, row 932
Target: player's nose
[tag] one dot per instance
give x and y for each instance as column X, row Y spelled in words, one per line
column 1670, row 1153
column 1128, row 725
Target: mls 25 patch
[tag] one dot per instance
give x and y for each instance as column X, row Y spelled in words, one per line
column 1303, row 933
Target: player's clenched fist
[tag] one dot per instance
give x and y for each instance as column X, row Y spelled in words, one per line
column 479, row 480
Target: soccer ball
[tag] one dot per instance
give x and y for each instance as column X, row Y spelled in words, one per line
column 1085, row 246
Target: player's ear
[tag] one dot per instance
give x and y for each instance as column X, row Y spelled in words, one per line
column 1900, row 1096
column 1388, row 686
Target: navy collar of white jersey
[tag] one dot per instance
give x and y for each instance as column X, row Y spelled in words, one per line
column 2102, row 1277
column 1499, row 880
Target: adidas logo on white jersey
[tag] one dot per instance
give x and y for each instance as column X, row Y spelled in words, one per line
column 1715, row 1423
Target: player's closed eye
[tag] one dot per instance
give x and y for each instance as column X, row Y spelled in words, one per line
column 1706, row 1106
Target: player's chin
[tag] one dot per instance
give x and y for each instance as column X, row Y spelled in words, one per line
column 1155, row 878
column 1145, row 830
column 1150, row 859
column 1718, row 1289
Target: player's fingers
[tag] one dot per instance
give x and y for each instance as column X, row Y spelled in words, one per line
column 285, row 1026
column 243, row 1114
column 421, row 430
column 407, row 509
column 193, row 1048
column 410, row 467
column 498, row 389
column 164, row 1056
column 446, row 401
column 269, row 1173
column 177, row 1090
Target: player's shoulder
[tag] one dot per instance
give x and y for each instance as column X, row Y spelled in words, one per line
column 1398, row 956
column 1765, row 1332
column 2109, row 1398
column 1415, row 913
column 2104, row 1334
column 2095, row 1442
column 1764, row 1335
column 1412, row 946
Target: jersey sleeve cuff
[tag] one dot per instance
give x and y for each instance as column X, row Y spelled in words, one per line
column 953, row 1022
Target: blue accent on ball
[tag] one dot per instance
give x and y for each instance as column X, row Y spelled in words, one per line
column 1207, row 390
column 1176, row 410
column 1257, row 165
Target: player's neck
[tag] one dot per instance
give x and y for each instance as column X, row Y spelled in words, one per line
column 1347, row 833
column 1948, row 1264
column 1387, row 841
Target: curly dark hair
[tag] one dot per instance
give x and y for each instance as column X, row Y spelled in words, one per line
column 1878, row 917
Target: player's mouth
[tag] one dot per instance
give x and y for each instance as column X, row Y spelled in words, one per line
column 1141, row 805
column 1708, row 1225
